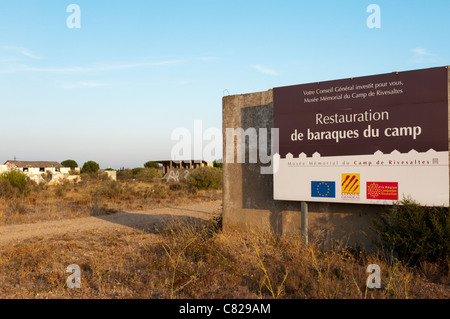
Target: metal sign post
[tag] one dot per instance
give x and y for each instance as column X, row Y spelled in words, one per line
column 304, row 209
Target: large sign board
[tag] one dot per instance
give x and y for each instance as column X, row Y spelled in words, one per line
column 374, row 139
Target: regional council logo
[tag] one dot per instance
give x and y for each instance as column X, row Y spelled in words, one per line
column 373, row 190
column 350, row 186
column 382, row 190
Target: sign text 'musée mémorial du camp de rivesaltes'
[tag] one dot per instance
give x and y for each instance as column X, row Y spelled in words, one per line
column 373, row 139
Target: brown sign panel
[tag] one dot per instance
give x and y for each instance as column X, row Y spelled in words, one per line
column 397, row 111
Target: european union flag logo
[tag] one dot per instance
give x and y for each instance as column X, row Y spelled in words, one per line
column 323, row 189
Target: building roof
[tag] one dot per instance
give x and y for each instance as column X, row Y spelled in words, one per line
column 31, row 164
column 178, row 161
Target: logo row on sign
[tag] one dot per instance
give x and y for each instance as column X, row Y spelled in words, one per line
column 351, row 187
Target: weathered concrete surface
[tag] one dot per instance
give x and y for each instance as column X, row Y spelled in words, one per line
column 111, row 174
column 248, row 195
column 177, row 175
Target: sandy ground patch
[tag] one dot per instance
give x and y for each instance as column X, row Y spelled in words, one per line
column 143, row 220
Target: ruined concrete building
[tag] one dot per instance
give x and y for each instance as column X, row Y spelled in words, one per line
column 179, row 170
column 42, row 171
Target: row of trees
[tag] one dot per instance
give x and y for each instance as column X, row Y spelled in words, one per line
column 93, row 167
column 88, row 167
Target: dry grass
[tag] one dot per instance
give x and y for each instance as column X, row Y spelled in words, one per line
column 93, row 197
column 187, row 258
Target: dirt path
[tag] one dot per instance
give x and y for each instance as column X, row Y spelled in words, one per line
column 143, row 220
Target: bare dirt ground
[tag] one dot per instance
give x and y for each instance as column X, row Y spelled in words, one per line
column 142, row 220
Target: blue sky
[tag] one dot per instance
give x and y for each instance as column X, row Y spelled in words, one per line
column 113, row 90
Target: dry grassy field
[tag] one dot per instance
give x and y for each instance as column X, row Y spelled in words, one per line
column 175, row 248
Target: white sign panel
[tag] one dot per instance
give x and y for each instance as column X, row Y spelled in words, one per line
column 373, row 140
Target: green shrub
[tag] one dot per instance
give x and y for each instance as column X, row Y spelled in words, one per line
column 159, row 191
column 137, row 170
column 69, row 163
column 139, row 173
column 6, row 190
column 218, row 163
column 111, row 190
column 417, row 233
column 206, row 178
column 125, row 174
column 90, row 167
column 13, row 184
column 15, row 179
column 148, row 174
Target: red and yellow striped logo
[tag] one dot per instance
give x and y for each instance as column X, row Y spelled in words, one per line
column 351, row 184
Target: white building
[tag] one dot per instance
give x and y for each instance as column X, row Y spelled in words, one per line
column 42, row 171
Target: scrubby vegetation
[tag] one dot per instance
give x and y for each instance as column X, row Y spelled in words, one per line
column 218, row 163
column 204, row 262
column 139, row 174
column 419, row 235
column 194, row 258
column 206, row 178
column 23, row 201
column 12, row 183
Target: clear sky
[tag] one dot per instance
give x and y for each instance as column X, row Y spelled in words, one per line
column 114, row 89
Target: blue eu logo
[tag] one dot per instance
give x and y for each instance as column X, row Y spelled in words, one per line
column 323, row 189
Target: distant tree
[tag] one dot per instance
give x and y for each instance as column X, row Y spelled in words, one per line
column 90, row 167
column 151, row 164
column 69, row 163
column 218, row 163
